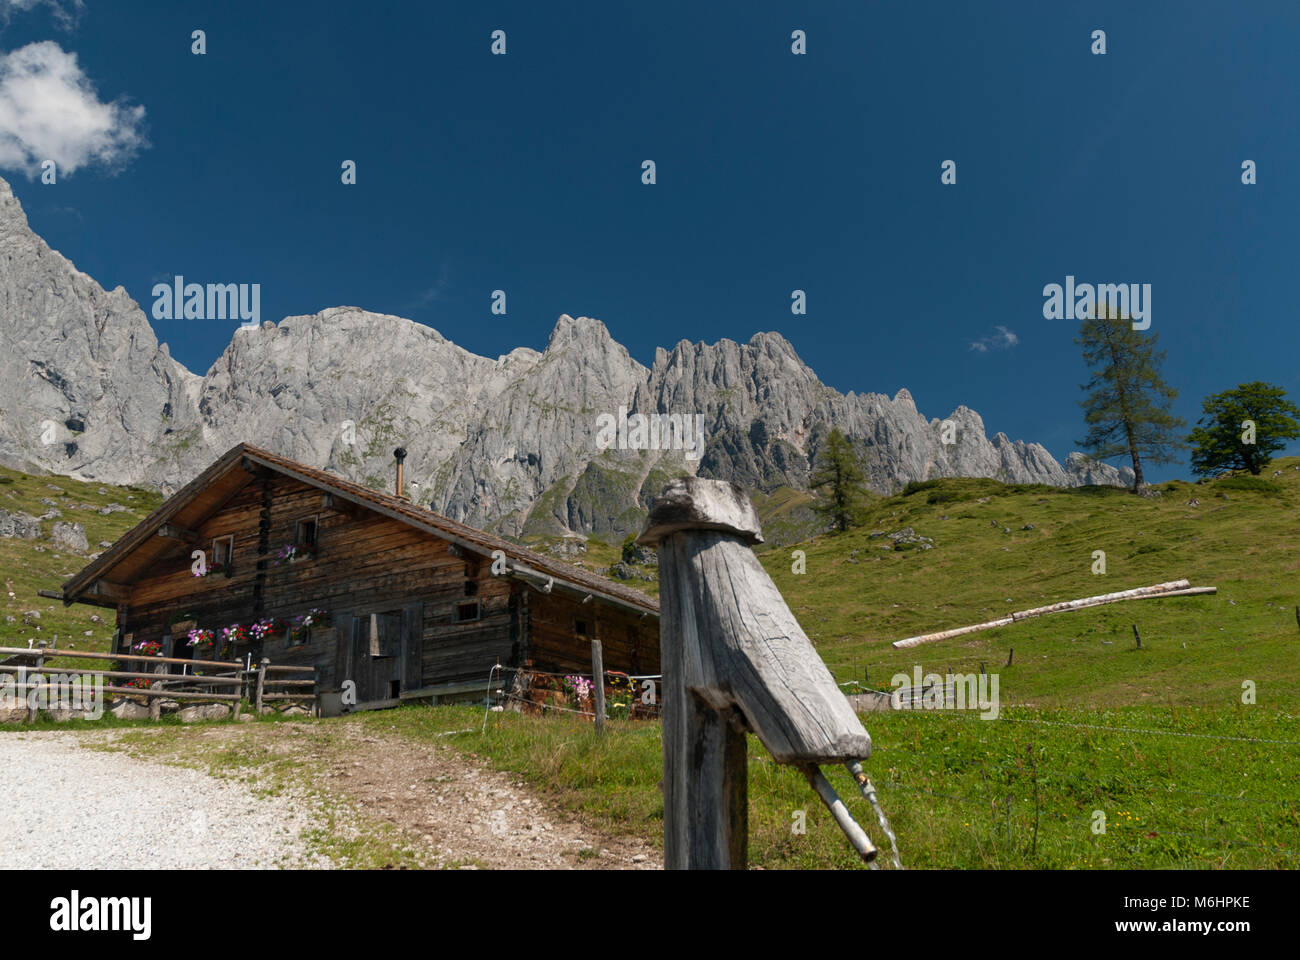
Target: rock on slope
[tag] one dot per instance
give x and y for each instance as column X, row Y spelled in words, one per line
column 86, row 390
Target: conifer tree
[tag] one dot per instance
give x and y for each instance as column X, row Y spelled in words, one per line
column 838, row 469
column 1127, row 407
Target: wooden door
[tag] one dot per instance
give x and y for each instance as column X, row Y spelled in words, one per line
column 380, row 652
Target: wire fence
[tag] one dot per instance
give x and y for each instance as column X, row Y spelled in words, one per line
column 1044, row 777
column 637, row 694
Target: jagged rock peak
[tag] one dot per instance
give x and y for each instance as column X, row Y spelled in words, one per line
column 583, row 330
column 510, row 443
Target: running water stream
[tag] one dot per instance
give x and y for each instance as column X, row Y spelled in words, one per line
column 869, row 791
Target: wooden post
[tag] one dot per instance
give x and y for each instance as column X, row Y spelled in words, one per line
column 598, row 676
column 1011, row 656
column 40, row 662
column 261, row 683
column 239, row 693
column 1137, row 636
column 734, row 660
column 155, row 703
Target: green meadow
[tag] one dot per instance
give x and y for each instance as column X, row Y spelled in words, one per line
column 859, row 592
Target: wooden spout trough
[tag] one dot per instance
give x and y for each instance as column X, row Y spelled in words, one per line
column 734, row 660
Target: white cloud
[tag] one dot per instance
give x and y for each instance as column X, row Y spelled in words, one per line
column 437, row 291
column 49, row 110
column 1004, row 339
column 64, row 12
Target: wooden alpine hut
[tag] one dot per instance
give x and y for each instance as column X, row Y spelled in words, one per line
column 260, row 556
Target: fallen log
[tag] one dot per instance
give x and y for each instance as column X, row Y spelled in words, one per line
column 1173, row 588
column 1189, row 592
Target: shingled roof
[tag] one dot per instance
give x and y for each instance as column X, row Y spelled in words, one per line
column 524, row 563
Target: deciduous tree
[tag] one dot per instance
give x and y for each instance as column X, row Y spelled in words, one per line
column 1243, row 428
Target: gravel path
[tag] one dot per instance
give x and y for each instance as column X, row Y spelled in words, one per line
column 65, row 807
column 64, row 804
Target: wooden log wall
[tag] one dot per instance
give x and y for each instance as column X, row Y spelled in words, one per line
column 630, row 642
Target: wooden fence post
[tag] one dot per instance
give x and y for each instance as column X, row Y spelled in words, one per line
column 239, row 692
column 155, row 703
column 598, row 675
column 261, row 684
column 734, row 660
column 40, row 662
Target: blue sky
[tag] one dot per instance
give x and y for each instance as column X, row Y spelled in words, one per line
column 775, row 172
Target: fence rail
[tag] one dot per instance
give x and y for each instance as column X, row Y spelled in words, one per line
column 249, row 684
column 50, row 652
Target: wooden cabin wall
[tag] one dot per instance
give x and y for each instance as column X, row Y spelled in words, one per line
column 628, row 642
column 366, row 563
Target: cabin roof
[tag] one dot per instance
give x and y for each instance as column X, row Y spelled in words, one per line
column 212, row 489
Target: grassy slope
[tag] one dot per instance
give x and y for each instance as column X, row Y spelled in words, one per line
column 787, row 515
column 598, row 559
column 25, row 569
column 1196, row 650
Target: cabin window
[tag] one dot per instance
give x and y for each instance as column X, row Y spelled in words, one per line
column 580, row 628
column 304, row 537
column 220, row 558
column 466, row 611
column 222, row 550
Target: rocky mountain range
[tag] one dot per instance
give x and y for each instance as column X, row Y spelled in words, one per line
column 510, row 444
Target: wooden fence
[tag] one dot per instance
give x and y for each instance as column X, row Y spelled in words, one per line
column 198, row 681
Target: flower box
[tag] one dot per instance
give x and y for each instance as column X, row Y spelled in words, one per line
column 302, row 625
column 292, row 553
column 268, row 629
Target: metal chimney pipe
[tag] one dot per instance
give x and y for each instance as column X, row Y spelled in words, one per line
column 400, row 455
